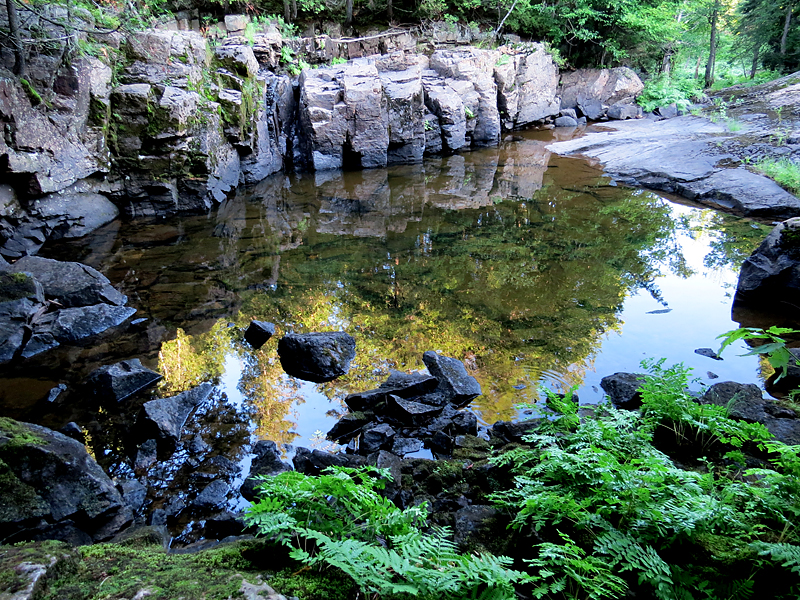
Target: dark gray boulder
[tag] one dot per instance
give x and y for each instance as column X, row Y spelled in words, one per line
column 74, row 324
column 745, row 402
column 623, row 389
column 120, row 381
column 267, row 462
column 313, row 462
column 378, row 437
column 592, row 108
column 670, row 111
column 508, row 431
column 214, row 494
column 566, row 122
column 370, row 400
column 70, row 283
column 258, row 333
column 347, row 427
column 409, row 385
column 386, row 460
column 53, row 489
column 771, row 274
column 317, row 357
column 620, row 112
column 403, row 445
column 454, row 381
column 163, row 419
column 409, row 411
column 471, row 521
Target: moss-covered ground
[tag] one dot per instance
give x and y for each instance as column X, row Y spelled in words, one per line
column 117, row 571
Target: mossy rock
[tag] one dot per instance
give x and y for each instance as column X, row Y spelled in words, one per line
column 19, row 563
column 16, row 286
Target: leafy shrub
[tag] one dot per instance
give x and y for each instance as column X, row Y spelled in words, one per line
column 661, row 91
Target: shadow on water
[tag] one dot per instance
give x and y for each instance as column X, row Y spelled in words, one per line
column 531, row 268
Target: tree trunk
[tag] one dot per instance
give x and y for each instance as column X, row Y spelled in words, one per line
column 348, row 12
column 712, row 50
column 786, row 29
column 754, row 66
column 697, row 67
column 287, row 11
column 389, row 12
column 294, row 9
column 20, row 67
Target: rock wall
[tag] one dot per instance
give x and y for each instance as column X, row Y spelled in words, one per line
column 177, row 124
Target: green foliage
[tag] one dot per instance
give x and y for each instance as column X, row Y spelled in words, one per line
column 663, row 90
column 340, row 520
column 565, row 569
column 784, row 171
column 468, row 113
column 774, row 347
column 631, row 508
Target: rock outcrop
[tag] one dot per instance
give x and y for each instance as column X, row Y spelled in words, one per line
column 46, row 302
column 584, row 88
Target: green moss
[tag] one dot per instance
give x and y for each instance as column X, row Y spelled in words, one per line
column 314, row 585
column 17, row 433
column 36, row 553
column 15, row 286
column 32, row 94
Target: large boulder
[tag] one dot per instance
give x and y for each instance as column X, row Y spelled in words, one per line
column 52, row 489
column 163, row 419
column 69, row 283
column 527, row 84
column 745, row 402
column 317, row 357
column 771, row 274
column 609, row 86
column 624, row 389
column 266, row 462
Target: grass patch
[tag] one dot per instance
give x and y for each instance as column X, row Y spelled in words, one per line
column 785, row 173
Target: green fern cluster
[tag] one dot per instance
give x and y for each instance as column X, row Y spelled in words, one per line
column 641, row 520
column 339, row 519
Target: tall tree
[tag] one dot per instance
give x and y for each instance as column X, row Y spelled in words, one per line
column 712, row 48
column 20, row 66
column 786, row 23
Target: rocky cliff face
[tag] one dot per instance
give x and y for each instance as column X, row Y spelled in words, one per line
column 176, row 124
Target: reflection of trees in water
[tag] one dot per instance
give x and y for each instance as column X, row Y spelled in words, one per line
column 270, row 394
column 188, row 361
column 730, row 239
column 515, row 289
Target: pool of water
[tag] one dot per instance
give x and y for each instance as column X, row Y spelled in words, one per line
column 535, row 270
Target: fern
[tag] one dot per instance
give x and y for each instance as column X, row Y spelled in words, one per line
column 787, row 555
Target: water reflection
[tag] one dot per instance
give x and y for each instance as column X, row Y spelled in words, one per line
column 528, row 267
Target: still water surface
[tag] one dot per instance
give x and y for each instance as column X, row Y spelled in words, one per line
column 532, row 269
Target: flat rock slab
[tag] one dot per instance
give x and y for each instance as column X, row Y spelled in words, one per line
column 682, row 156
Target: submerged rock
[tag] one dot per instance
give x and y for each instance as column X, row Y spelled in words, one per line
column 317, row 357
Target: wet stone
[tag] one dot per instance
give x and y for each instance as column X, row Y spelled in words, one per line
column 403, row 445
column 120, row 381
column 134, row 494
column 266, row 461
column 214, row 494
column 441, row 443
column 409, row 410
column 164, row 419
column 454, row 381
column 347, row 427
column 409, row 385
column 376, row 438
column 317, row 357
column 623, row 389
column 708, row 352
column 314, row 462
column 370, row 400
column 258, row 333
